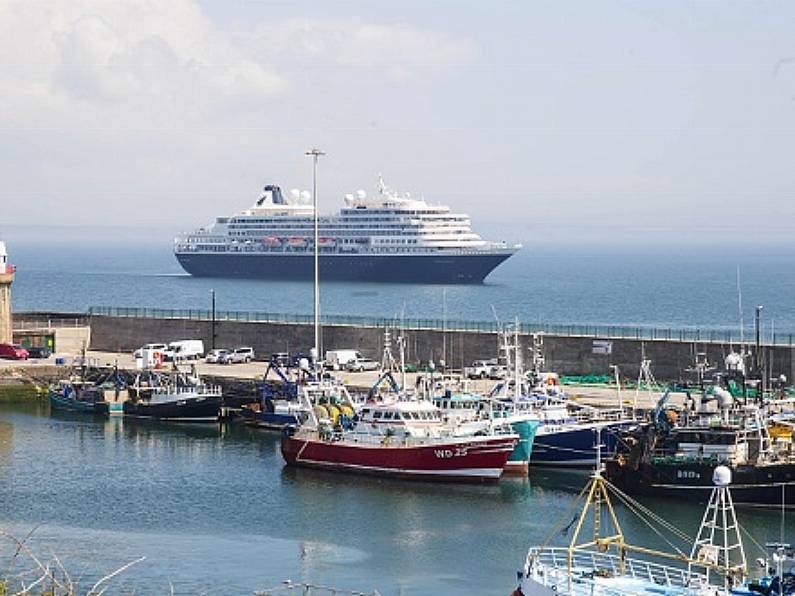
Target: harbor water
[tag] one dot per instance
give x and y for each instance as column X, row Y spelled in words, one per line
column 214, row 510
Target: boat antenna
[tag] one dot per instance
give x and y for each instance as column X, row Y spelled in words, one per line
column 315, row 153
column 516, row 363
column 783, row 511
column 443, row 361
column 617, row 379
column 740, row 308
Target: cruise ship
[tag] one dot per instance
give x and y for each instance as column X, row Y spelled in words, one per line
column 392, row 237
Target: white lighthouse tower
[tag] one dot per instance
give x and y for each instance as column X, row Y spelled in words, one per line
column 6, row 279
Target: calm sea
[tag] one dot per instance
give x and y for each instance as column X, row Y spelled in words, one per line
column 663, row 286
column 214, row 511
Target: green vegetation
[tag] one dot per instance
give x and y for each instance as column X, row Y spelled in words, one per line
column 18, row 392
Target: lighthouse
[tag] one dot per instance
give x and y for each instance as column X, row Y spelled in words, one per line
column 6, row 279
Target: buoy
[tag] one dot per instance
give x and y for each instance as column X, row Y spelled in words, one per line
column 333, row 413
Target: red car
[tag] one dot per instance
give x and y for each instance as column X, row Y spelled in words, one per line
column 13, row 352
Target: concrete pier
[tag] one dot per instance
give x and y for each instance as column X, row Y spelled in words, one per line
column 6, row 279
column 574, row 351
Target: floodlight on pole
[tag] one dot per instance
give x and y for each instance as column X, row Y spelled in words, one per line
column 315, row 153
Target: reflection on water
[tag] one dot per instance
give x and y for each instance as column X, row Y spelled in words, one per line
column 214, row 509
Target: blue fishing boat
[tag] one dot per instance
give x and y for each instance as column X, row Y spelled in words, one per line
column 566, row 434
column 78, row 395
column 279, row 406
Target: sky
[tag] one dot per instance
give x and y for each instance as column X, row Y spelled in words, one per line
column 563, row 121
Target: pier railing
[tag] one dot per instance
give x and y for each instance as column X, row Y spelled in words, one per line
column 597, row 331
column 47, row 320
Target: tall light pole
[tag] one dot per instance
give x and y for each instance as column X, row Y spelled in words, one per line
column 316, row 153
column 212, row 325
column 758, row 342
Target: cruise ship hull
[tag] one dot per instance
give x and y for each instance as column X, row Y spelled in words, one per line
column 469, row 268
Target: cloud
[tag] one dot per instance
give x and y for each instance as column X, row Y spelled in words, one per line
column 402, row 51
column 128, row 62
column 147, row 63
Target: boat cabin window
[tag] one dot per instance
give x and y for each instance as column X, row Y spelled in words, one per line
column 707, row 438
column 387, row 415
column 377, row 415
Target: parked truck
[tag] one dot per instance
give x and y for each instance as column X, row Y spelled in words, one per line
column 186, row 349
column 338, row 359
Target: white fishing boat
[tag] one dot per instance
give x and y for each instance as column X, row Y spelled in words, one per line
column 603, row 563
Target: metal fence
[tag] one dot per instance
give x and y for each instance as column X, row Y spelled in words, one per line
column 31, row 321
column 646, row 333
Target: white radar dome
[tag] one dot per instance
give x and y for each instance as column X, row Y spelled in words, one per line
column 295, row 193
column 303, row 364
column 306, row 196
column 360, row 194
column 722, row 476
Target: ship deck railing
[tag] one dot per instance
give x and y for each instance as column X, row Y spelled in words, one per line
column 342, row 249
column 400, row 439
column 715, row 336
column 551, row 566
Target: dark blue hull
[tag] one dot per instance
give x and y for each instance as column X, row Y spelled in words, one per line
column 467, row 268
column 574, row 447
column 272, row 421
column 201, row 409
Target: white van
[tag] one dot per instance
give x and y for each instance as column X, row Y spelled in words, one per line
column 139, row 353
column 337, row 359
column 186, row 349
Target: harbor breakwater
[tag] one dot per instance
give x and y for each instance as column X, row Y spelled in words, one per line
column 567, row 349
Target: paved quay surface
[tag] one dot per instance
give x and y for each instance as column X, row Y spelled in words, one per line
column 597, row 396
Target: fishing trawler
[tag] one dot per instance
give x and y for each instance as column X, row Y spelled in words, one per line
column 179, row 397
column 400, row 439
column 677, row 452
column 392, row 237
column 76, row 394
column 471, row 414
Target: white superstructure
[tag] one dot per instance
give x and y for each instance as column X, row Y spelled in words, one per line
column 392, row 222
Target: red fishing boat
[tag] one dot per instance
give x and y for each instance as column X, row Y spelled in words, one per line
column 405, row 439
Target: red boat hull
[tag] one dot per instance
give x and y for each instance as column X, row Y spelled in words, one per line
column 480, row 460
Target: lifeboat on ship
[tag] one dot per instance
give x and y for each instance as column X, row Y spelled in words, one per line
column 271, row 241
column 296, row 242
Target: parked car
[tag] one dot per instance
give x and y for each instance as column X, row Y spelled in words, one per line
column 362, row 364
column 42, row 352
column 13, row 352
column 139, row 353
column 239, row 355
column 216, row 356
column 480, row 369
column 498, row 371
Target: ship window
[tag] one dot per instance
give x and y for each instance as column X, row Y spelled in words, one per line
column 377, row 415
